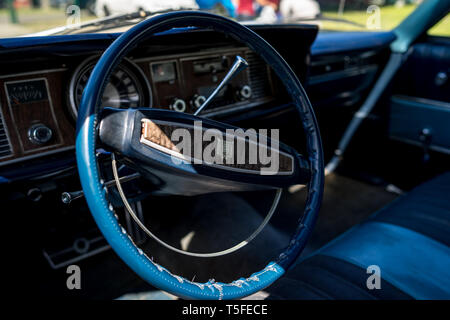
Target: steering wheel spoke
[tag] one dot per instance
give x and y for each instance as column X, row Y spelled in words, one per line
column 194, row 155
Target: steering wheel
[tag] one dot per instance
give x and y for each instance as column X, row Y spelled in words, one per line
column 123, row 132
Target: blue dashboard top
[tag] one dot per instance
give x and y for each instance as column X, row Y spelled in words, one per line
column 338, row 42
column 325, row 43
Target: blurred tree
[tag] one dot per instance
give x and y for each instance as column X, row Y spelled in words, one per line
column 341, row 7
column 12, row 12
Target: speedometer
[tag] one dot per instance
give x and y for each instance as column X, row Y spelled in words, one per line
column 127, row 86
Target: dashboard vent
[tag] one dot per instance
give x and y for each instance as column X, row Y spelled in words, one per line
column 5, row 147
column 258, row 76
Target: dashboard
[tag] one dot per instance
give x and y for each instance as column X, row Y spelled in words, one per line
column 39, row 105
column 35, row 105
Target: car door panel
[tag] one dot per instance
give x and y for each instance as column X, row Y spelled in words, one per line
column 420, row 104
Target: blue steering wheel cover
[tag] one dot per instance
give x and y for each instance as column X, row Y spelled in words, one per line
column 95, row 192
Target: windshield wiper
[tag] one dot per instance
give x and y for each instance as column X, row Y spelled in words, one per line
column 110, row 22
column 322, row 18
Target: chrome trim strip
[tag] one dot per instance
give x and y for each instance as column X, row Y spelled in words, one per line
column 420, row 145
column 5, row 128
column 233, row 108
column 191, row 55
column 37, row 155
column 425, row 101
column 32, row 73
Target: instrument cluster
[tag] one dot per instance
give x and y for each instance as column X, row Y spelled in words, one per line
column 34, row 105
column 180, row 83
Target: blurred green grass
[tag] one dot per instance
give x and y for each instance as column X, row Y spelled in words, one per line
column 35, row 20
column 390, row 17
column 442, row 28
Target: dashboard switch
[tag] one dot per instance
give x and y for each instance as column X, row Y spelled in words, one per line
column 39, row 134
column 178, row 105
column 245, row 93
column 197, row 101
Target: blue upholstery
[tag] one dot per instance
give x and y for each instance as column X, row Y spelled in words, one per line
column 413, row 263
column 425, row 209
column 408, row 240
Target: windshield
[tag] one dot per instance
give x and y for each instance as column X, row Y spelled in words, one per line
column 52, row 17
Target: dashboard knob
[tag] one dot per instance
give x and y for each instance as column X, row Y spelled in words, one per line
column 39, row 134
column 178, row 105
column 245, row 92
column 441, row 79
column 197, row 101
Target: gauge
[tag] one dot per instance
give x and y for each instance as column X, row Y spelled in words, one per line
column 127, row 86
column 163, row 72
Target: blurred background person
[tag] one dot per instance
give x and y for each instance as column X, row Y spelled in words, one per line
column 274, row 4
column 245, row 9
column 292, row 10
column 227, row 5
column 267, row 11
column 110, row 7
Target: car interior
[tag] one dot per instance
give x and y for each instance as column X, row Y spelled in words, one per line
column 382, row 108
